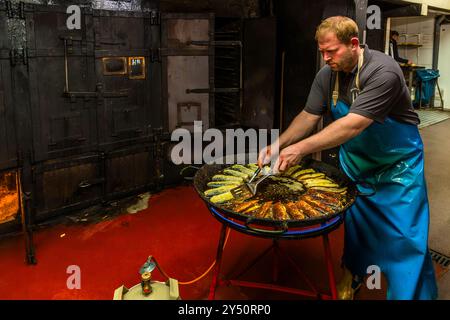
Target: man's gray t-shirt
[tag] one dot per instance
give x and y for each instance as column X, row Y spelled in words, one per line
column 383, row 90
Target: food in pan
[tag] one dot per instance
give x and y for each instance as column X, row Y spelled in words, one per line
column 297, row 194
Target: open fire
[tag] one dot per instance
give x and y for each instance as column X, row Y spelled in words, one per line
column 9, row 200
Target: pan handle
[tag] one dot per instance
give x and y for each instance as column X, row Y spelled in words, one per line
column 371, row 189
column 267, row 232
column 187, row 175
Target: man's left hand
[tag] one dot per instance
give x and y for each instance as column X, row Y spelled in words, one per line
column 288, row 157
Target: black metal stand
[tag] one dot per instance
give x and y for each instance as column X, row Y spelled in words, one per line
column 25, row 209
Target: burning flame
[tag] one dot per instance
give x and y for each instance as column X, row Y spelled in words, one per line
column 9, row 199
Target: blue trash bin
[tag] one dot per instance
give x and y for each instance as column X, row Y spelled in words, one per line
column 426, row 83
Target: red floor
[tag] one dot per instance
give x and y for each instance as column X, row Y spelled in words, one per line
column 179, row 231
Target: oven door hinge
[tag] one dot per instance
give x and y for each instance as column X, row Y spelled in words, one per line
column 18, row 56
column 15, row 11
column 155, row 55
column 155, row 17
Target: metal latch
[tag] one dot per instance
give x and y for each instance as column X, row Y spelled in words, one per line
column 214, row 43
column 15, row 11
column 155, row 55
column 87, row 184
column 155, row 17
column 17, row 56
column 213, row 90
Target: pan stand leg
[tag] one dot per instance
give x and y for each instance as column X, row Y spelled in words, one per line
column 214, row 281
column 329, row 262
column 275, row 260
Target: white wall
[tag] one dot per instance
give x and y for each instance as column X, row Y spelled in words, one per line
column 410, row 26
column 444, row 64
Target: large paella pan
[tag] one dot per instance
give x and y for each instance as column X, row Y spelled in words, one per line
column 307, row 194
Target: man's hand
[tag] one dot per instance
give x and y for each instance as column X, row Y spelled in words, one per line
column 264, row 156
column 289, row 156
column 267, row 154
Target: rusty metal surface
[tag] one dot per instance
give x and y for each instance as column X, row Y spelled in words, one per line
column 66, row 187
column 9, row 198
column 130, row 170
column 223, row 8
column 61, row 126
column 188, row 69
column 96, row 111
column 8, row 149
column 228, row 73
column 260, row 54
column 86, row 137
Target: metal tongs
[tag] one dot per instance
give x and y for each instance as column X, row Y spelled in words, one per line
column 248, row 190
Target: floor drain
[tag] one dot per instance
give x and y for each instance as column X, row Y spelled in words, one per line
column 440, row 258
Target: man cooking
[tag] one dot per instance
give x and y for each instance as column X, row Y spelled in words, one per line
column 376, row 127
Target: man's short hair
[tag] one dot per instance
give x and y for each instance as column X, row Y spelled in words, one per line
column 343, row 27
column 394, row 33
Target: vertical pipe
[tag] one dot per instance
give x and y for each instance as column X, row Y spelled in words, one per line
column 24, row 209
column 361, row 17
column 282, row 90
column 66, row 69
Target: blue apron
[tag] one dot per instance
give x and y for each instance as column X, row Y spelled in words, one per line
column 390, row 228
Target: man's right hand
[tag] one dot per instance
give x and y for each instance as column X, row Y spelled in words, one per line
column 264, row 156
column 267, row 154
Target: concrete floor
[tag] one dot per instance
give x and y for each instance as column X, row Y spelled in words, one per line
column 436, row 139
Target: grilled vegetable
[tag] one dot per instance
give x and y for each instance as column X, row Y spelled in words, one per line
column 264, row 212
column 302, row 172
column 245, row 205
column 252, row 166
column 222, row 177
column 294, row 212
column 320, row 183
column 219, row 190
column 221, row 183
column 310, row 176
column 291, row 184
column 220, row 198
column 251, row 211
column 317, row 203
column 329, row 189
column 241, row 168
column 292, row 170
column 308, row 209
column 335, row 200
column 235, row 173
column 279, row 211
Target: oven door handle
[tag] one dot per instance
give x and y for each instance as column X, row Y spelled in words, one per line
column 87, row 183
column 188, row 172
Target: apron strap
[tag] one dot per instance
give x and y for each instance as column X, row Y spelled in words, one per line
column 335, row 94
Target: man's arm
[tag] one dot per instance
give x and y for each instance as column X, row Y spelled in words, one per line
column 301, row 127
column 337, row 133
column 396, row 55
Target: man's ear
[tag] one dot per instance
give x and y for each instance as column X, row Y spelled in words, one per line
column 355, row 42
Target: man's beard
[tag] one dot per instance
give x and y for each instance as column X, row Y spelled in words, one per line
column 345, row 64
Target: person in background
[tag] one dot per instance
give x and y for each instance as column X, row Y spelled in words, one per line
column 393, row 49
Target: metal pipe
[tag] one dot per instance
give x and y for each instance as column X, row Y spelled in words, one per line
column 66, row 69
